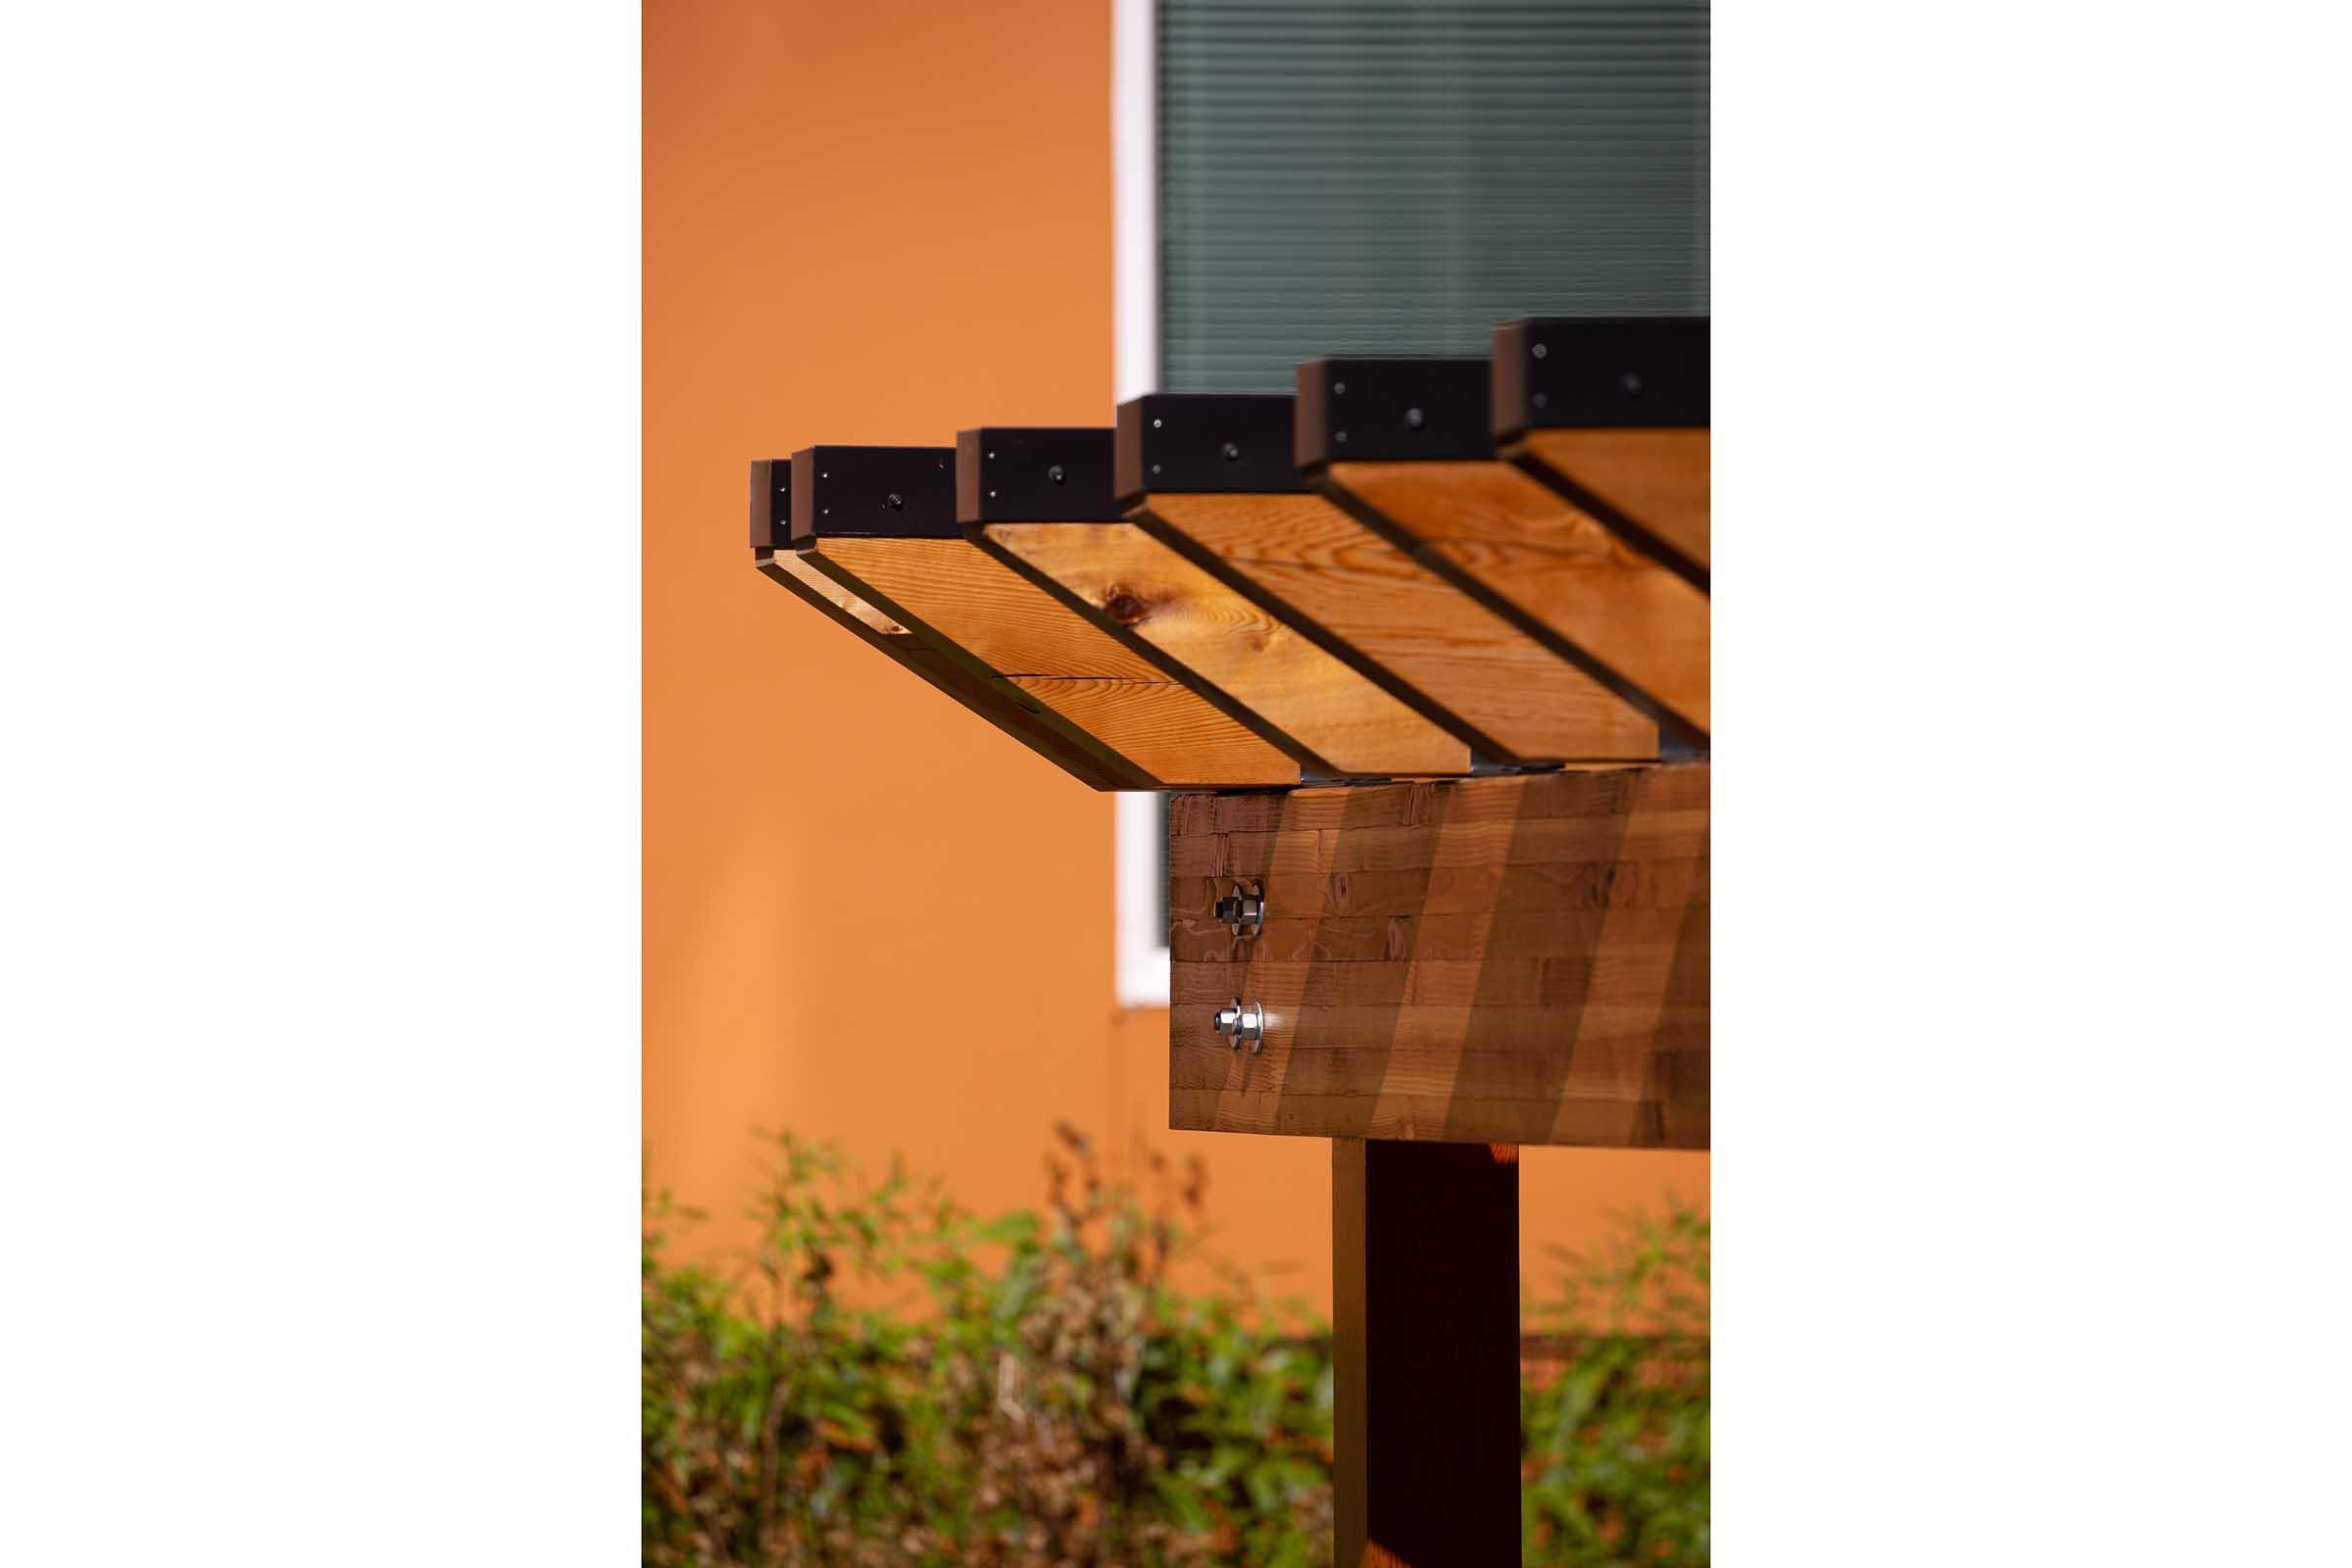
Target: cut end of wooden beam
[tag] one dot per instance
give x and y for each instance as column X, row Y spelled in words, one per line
column 1600, row 371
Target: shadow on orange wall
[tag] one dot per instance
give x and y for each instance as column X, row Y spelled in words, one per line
column 882, row 222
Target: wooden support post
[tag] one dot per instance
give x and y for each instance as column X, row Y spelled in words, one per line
column 1425, row 1295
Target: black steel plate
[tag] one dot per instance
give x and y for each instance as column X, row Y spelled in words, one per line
column 1206, row 442
column 1616, row 372
column 875, row 493
column 1379, row 410
column 1011, row 473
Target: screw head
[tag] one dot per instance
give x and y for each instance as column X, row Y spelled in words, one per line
column 1339, row 437
column 1414, row 419
column 1056, row 474
column 1632, row 382
column 898, row 504
column 1539, row 351
column 1233, row 453
column 1539, row 399
column 1339, row 389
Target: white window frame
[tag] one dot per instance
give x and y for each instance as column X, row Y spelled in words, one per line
column 1143, row 976
column 1134, row 198
column 1141, row 941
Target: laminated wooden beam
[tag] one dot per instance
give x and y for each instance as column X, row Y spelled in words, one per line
column 1024, row 719
column 1040, row 501
column 1213, row 478
column 1613, row 414
column 880, row 523
column 1406, row 447
column 1512, row 959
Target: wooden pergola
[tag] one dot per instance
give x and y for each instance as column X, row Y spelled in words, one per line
column 1423, row 653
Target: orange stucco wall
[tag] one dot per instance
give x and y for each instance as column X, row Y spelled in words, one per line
column 868, row 916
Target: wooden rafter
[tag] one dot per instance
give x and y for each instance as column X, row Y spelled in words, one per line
column 1407, row 448
column 943, row 669
column 1257, row 527
column 1040, row 500
column 880, row 523
column 1414, row 569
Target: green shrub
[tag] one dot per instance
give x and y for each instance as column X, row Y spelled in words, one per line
column 1615, row 1427
column 889, row 1380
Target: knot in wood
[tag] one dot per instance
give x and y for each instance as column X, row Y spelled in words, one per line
column 1124, row 606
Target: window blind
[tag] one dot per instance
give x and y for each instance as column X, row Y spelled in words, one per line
column 1398, row 175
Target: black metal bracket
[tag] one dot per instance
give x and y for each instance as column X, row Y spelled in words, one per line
column 1008, row 473
column 771, row 504
column 1380, row 410
column 1172, row 441
column 873, row 493
column 1621, row 373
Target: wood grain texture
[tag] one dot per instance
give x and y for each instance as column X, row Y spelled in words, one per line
column 952, row 673
column 1394, row 614
column 791, row 564
column 1519, row 959
column 1039, row 653
column 1659, row 478
column 1011, row 625
column 1555, row 565
column 1134, row 581
column 1425, row 1353
column 1165, row 730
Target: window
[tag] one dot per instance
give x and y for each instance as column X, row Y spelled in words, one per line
column 1301, row 177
